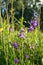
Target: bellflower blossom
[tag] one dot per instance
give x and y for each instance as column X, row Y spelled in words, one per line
column 15, row 45
column 34, row 23
column 21, row 35
column 30, row 29
column 16, row 61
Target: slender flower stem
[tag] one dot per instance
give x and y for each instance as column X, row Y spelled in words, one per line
column 21, row 40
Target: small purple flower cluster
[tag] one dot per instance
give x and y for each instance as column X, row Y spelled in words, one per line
column 30, row 29
column 21, row 35
column 34, row 24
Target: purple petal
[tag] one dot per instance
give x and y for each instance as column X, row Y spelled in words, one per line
column 21, row 35
column 15, row 45
column 34, row 23
column 22, row 30
column 16, row 61
column 30, row 29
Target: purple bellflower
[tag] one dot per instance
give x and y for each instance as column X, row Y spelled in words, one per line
column 16, row 61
